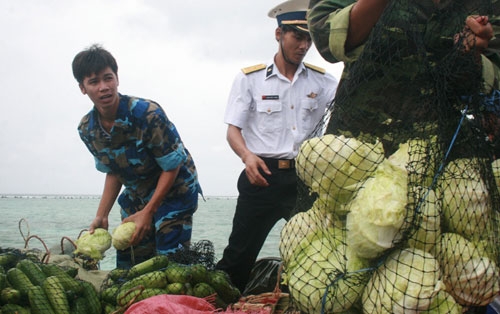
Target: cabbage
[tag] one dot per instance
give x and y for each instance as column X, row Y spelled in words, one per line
column 495, row 165
column 325, row 265
column 443, row 303
column 427, row 220
column 378, row 212
column 465, row 199
column 335, row 166
column 471, row 277
column 299, row 226
column 417, row 157
column 93, row 245
column 404, row 283
column 122, row 235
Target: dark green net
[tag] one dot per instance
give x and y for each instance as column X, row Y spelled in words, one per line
column 399, row 207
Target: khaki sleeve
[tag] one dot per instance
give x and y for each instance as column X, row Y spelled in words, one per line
column 328, row 24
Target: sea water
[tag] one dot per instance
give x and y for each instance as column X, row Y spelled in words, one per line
column 53, row 221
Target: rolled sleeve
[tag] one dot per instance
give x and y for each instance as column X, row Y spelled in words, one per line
column 100, row 166
column 173, row 159
column 339, row 25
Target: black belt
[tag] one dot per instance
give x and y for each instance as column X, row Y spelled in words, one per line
column 279, row 163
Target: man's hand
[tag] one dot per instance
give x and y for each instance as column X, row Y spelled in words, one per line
column 143, row 221
column 476, row 34
column 98, row 222
column 253, row 165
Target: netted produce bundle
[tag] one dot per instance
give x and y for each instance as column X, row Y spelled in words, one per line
column 406, row 206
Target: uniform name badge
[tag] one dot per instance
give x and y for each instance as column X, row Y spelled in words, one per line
column 270, row 97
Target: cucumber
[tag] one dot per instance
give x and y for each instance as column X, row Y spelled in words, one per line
column 39, row 303
column 56, row 295
column 155, row 263
column 32, row 270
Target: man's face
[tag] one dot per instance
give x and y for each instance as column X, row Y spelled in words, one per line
column 102, row 89
column 294, row 44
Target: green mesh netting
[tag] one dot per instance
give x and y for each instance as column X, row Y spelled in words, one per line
column 405, row 205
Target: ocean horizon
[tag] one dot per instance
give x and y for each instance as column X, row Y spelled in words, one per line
column 55, row 217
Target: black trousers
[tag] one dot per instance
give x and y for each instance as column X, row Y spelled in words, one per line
column 257, row 211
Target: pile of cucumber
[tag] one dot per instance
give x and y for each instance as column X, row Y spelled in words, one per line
column 159, row 275
column 28, row 286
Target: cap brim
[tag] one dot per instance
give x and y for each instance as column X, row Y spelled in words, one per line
column 300, row 27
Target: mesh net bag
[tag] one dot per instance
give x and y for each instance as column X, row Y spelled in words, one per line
column 405, row 211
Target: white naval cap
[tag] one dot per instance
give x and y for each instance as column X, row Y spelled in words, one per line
column 293, row 13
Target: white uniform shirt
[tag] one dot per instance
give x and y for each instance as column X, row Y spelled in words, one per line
column 277, row 115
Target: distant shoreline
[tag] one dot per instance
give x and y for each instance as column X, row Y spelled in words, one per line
column 85, row 196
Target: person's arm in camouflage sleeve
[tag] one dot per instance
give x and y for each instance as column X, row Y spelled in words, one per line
column 339, row 26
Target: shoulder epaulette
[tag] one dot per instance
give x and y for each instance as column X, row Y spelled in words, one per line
column 315, row 68
column 253, row 68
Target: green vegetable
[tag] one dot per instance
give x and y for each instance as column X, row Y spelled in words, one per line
column 14, row 309
column 427, row 219
column 154, row 263
column 56, row 295
column 404, row 283
column 325, row 265
column 443, row 303
column 418, row 157
column 19, row 281
column 93, row 245
column 378, row 212
column 495, row 166
column 10, row 295
column 466, row 208
column 299, row 226
column 122, row 234
column 471, row 277
column 90, row 294
column 39, row 302
column 335, row 167
column 32, row 270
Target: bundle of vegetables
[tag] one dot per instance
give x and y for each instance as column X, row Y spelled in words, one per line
column 28, row 286
column 429, row 238
column 158, row 276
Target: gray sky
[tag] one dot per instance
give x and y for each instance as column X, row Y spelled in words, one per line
column 182, row 54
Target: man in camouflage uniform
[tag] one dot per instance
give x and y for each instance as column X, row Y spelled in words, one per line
column 138, row 147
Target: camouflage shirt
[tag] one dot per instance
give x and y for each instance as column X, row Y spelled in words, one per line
column 142, row 143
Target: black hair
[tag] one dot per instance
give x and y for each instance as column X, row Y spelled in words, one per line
column 92, row 60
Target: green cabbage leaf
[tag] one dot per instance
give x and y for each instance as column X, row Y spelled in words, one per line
column 378, row 211
column 93, row 245
column 122, row 235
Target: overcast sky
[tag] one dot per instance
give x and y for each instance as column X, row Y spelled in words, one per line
column 182, row 54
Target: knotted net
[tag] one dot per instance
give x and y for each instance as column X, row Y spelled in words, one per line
column 405, row 203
